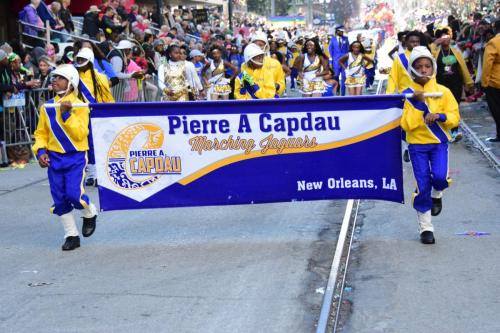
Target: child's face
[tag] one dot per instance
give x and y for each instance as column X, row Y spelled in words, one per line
column 59, row 83
column 424, row 67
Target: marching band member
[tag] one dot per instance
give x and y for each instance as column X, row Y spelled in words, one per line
column 95, row 89
column 355, row 68
column 173, row 76
column 257, row 80
column 273, row 65
column 399, row 77
column 312, row 68
column 61, row 144
column 427, row 122
column 220, row 87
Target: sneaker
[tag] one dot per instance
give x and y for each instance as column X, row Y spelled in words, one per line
column 88, row 226
column 91, row 182
column 427, row 237
column 497, row 139
column 458, row 136
column 437, row 206
column 71, row 243
column 406, row 156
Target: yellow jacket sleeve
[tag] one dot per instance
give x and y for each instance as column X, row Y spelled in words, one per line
column 490, row 53
column 279, row 78
column 393, row 78
column 449, row 107
column 237, row 89
column 77, row 124
column 464, row 71
column 41, row 133
column 106, row 97
column 412, row 117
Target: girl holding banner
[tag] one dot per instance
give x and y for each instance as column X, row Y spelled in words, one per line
column 95, row 89
column 61, row 144
column 427, row 122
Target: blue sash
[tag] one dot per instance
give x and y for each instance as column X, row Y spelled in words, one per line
column 404, row 61
column 435, row 128
column 86, row 92
column 58, row 131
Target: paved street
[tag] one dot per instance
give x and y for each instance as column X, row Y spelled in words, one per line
column 400, row 285
column 211, row 269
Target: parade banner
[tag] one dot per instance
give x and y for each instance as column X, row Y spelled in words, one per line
column 152, row 155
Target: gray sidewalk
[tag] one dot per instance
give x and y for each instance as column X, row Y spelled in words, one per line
column 400, row 285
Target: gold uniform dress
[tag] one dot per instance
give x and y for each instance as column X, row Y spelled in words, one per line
column 355, row 71
column 175, row 80
column 311, row 83
column 219, row 85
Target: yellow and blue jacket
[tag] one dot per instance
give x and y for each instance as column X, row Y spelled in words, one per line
column 87, row 87
column 399, row 77
column 62, row 132
column 268, row 81
column 414, row 112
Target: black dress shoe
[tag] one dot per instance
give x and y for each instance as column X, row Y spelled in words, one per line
column 406, row 156
column 88, row 226
column 437, row 206
column 71, row 243
column 427, row 237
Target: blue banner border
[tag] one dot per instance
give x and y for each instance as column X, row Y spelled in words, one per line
column 347, row 103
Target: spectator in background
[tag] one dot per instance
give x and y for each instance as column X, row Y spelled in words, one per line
column 45, row 67
column 30, row 16
column 109, row 25
column 65, row 16
column 101, row 63
column 159, row 48
column 91, row 22
column 132, row 16
column 490, row 80
column 120, row 10
column 120, row 58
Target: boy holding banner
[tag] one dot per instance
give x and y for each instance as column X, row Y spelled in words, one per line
column 95, row 88
column 61, row 144
column 427, row 122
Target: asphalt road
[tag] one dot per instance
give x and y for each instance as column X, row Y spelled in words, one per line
column 399, row 285
column 212, row 269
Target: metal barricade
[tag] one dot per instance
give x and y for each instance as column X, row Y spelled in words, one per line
column 19, row 119
column 136, row 90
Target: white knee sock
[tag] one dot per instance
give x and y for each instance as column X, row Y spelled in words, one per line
column 69, row 225
column 90, row 211
column 436, row 194
column 424, row 221
column 91, row 172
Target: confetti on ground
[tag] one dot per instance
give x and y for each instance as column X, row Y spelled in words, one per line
column 473, row 233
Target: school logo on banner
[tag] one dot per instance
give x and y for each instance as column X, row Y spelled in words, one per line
column 136, row 158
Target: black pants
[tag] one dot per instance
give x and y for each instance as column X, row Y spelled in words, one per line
column 493, row 99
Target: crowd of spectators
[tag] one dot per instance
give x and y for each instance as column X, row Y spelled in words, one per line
column 134, row 43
